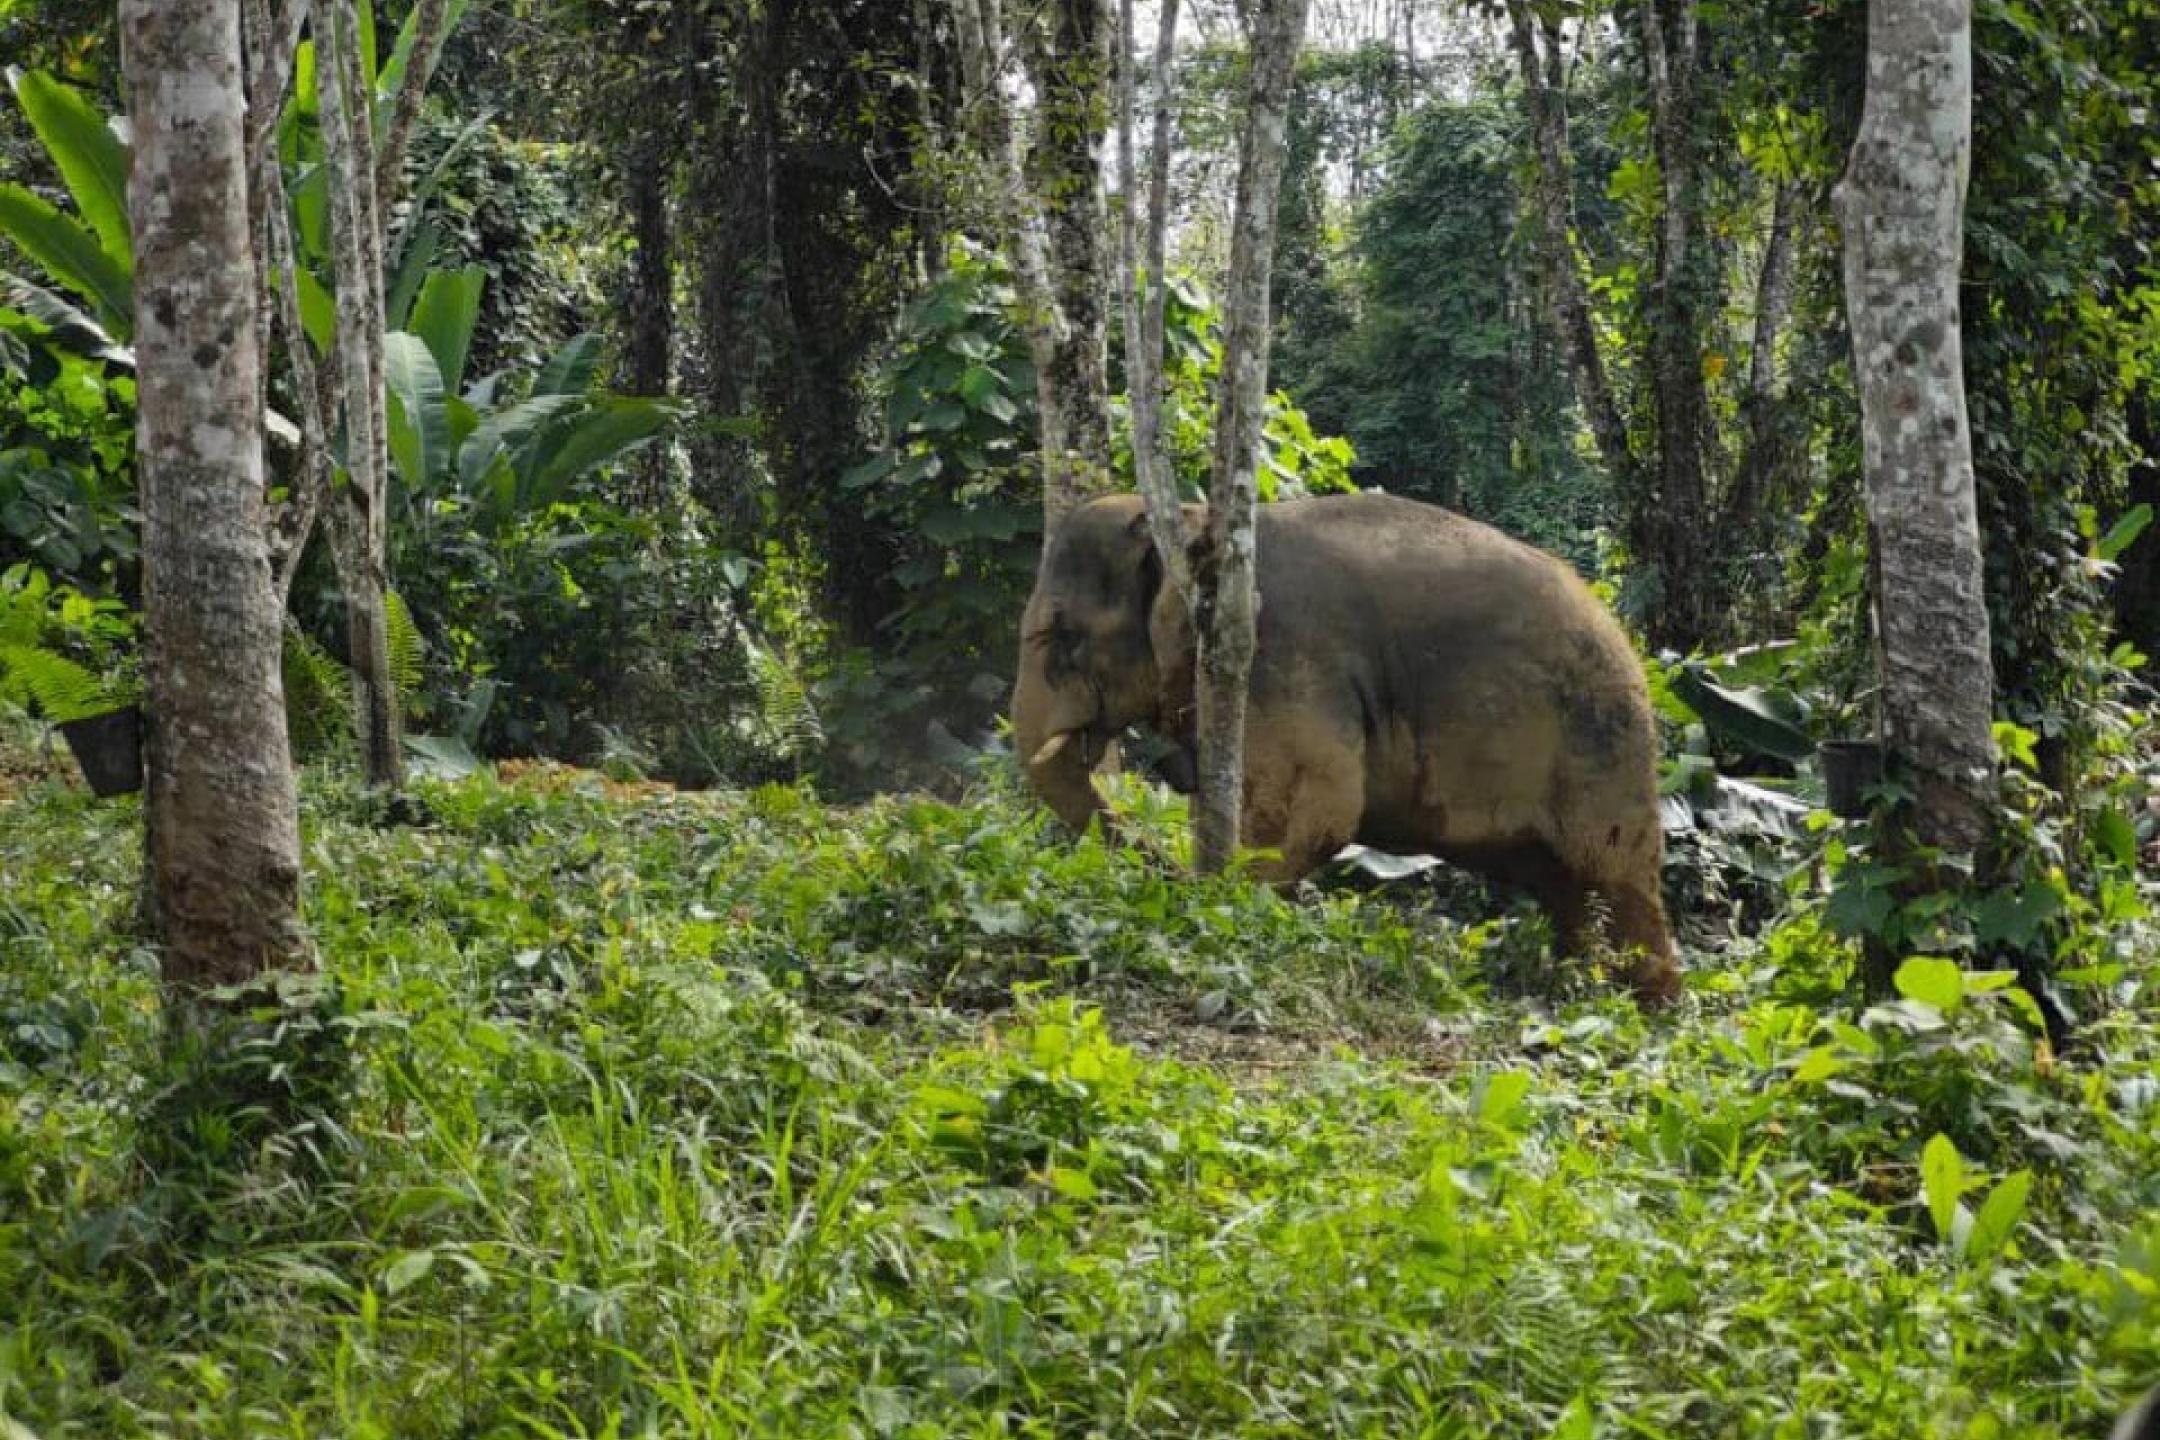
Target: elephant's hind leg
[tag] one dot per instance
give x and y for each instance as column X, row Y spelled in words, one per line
column 1304, row 796
column 1640, row 930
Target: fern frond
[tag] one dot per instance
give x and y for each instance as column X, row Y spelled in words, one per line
column 786, row 714
column 406, row 646
column 60, row 688
column 318, row 709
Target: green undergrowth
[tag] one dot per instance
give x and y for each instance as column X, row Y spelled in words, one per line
column 628, row 1115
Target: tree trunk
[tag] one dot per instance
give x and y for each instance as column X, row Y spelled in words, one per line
column 358, row 517
column 1070, row 62
column 1677, row 303
column 1774, row 450
column 1545, row 100
column 223, row 854
column 1902, row 204
column 430, row 29
column 1061, row 412
column 649, row 321
column 1145, row 322
column 1229, row 605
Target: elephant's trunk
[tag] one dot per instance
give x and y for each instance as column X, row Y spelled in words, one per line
column 1054, row 748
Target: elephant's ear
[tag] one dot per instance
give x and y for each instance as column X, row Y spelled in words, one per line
column 1147, row 564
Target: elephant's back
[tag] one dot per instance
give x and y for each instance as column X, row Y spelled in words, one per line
column 1428, row 589
column 1463, row 655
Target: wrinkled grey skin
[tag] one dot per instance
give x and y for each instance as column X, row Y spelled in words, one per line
column 1423, row 683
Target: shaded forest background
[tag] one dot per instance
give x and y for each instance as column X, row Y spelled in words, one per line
column 769, row 214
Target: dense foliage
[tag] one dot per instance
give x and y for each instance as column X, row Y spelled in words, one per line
column 643, row 1112
column 713, row 426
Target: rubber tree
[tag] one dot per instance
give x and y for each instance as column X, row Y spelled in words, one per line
column 1226, row 603
column 1047, row 207
column 1901, row 206
column 223, row 853
column 359, row 512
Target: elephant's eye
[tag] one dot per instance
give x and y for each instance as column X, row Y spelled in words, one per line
column 1060, row 642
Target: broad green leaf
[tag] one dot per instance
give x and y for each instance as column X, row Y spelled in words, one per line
column 307, row 98
column 90, row 157
column 391, row 83
column 978, row 384
column 1818, row 1065
column 1931, row 981
column 366, row 32
column 612, row 429
column 406, row 276
column 71, row 328
column 869, row 472
column 2016, row 916
column 503, row 430
column 2124, row 532
column 443, row 316
column 407, row 1270
column 71, row 255
column 440, row 757
column 569, row 371
column 419, row 427
column 1999, row 1215
column 1942, row 1177
column 1759, row 719
column 310, row 191
column 318, row 311
column 463, row 418
column 2117, row 838
column 1577, row 1422
column 1501, row 1097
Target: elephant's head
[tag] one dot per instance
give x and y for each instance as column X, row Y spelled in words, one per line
column 1104, row 643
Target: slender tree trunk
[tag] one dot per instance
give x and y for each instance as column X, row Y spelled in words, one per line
column 222, row 820
column 1070, row 63
column 1545, row 101
column 358, row 519
column 430, row 29
column 315, row 474
column 648, row 358
column 1676, row 303
column 1064, row 422
column 1770, row 453
column 1145, row 317
column 1902, row 205
column 1229, row 604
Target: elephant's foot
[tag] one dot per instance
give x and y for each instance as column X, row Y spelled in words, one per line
column 1639, row 929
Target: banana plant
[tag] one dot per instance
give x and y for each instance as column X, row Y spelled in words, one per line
column 88, row 253
column 502, row 457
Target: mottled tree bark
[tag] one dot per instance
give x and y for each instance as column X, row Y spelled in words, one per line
column 1678, row 302
column 222, row 820
column 1145, row 316
column 1069, row 64
column 1902, row 205
column 1229, row 605
column 982, row 60
column 358, row 525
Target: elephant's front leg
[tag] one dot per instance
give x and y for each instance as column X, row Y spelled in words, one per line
column 1304, row 795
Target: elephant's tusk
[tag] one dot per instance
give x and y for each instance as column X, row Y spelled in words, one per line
column 1051, row 748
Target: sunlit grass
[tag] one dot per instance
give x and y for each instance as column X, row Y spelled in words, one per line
column 739, row 1115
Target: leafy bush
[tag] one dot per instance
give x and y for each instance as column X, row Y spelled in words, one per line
column 722, row 1113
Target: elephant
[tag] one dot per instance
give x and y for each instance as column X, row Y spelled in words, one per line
column 1422, row 683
